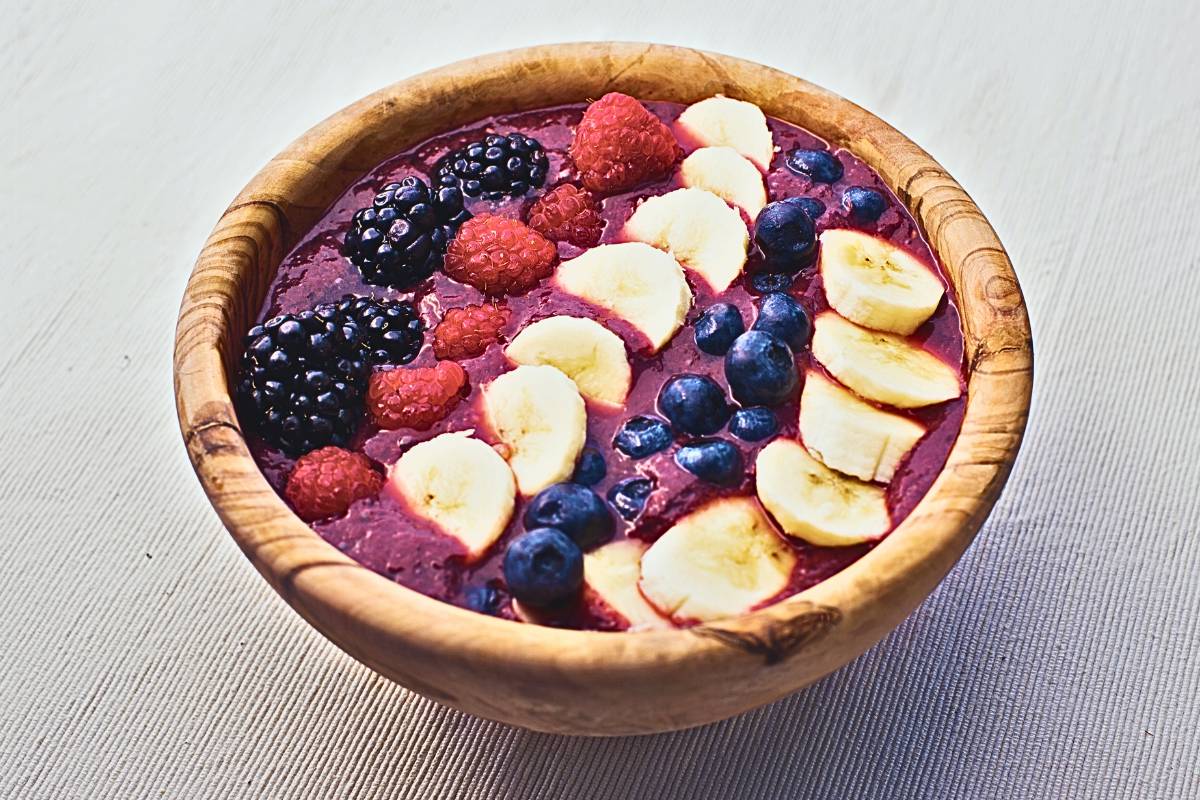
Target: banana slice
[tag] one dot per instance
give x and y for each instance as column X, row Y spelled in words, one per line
column 875, row 284
column 638, row 283
column 612, row 573
column 815, row 503
column 696, row 227
column 719, row 561
column 728, row 174
column 460, row 484
column 851, row 435
column 723, row 121
column 882, row 366
column 538, row 413
column 583, row 350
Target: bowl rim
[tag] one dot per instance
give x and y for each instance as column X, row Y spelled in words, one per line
column 352, row 605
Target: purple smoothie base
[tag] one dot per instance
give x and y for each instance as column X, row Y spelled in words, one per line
column 383, row 535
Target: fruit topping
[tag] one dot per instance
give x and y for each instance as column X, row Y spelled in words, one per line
column 538, row 413
column 696, row 227
column 695, row 404
column 721, row 560
column 575, row 510
column 543, row 567
column 484, row 599
column 467, row 332
column 415, row 397
column 851, row 435
column 785, row 236
column 591, row 468
column 583, row 350
column 611, row 572
column 865, row 205
column 713, row 460
column 882, row 367
column 302, row 379
column 391, row 330
column 767, row 282
column 636, row 282
column 813, row 207
column 630, row 495
column 819, row 166
column 760, row 369
column 325, row 482
column 495, row 166
column 461, row 485
column 642, row 436
column 724, row 122
column 727, row 174
column 717, row 327
column 780, row 314
column 872, row 282
column 753, row 424
column 400, row 239
column 567, row 214
column 499, row 256
column 815, row 503
column 619, row 145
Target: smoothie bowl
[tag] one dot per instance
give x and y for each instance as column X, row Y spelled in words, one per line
column 603, row 388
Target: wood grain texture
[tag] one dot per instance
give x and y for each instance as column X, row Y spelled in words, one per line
column 585, row 682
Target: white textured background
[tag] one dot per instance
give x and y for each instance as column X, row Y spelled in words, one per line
column 142, row 657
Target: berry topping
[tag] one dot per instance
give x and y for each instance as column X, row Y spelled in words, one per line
column 865, row 205
column 495, row 166
column 543, row 567
column 694, row 404
column 591, row 468
column 499, row 256
column 780, row 314
column 567, row 214
column 415, row 397
column 467, row 332
column 642, row 436
column 819, row 166
column 753, row 424
column 715, row 461
column 619, row 145
column 760, row 369
column 484, row 599
column 399, row 240
column 629, row 496
column 784, row 234
column 717, row 327
column 575, row 510
column 391, row 330
column 813, row 207
column 767, row 282
column 325, row 482
column 302, row 379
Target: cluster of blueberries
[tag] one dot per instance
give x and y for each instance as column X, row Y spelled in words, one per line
column 863, row 204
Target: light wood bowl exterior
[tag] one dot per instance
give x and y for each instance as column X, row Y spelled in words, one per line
column 573, row 681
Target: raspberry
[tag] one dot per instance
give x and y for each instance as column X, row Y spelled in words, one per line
column 325, row 482
column 499, row 256
column 567, row 214
column 416, row 397
column 619, row 144
column 467, row 332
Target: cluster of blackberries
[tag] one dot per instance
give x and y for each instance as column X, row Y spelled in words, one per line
column 495, row 166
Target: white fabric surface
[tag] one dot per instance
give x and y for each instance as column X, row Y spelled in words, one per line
column 140, row 654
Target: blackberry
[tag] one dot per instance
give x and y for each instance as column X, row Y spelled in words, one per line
column 391, row 330
column 495, row 166
column 302, row 379
column 400, row 239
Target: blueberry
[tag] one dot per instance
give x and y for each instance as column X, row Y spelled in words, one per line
column 864, row 205
column 590, row 469
column 760, row 369
column 813, row 207
column 717, row 327
column 714, row 460
column 753, row 424
column 629, row 496
column 765, row 282
column 694, row 404
column 784, row 234
column 543, row 567
column 819, row 166
column 575, row 510
column 642, row 436
column 484, row 599
column 781, row 315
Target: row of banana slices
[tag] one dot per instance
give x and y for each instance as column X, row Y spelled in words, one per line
column 827, row 489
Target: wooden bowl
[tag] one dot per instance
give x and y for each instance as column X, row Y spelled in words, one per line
column 584, row 682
